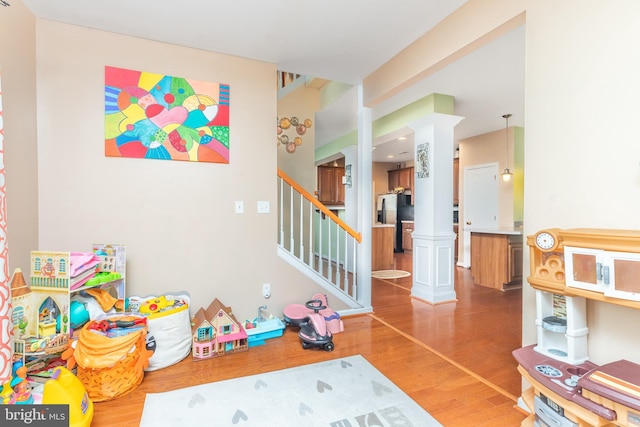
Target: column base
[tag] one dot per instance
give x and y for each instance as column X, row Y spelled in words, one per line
column 433, row 268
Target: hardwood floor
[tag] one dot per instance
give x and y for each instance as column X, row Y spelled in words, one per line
column 453, row 359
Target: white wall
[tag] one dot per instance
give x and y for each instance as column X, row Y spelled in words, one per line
column 299, row 165
column 18, row 72
column 581, row 143
column 176, row 218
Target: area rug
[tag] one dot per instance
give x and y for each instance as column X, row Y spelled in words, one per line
column 390, row 274
column 341, row 392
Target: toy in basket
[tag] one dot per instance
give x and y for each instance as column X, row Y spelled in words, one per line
column 117, row 328
column 110, row 355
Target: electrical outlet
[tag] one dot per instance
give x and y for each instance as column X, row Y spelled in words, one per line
column 266, row 290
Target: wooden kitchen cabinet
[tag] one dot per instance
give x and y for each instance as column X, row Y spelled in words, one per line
column 516, row 254
column 382, row 238
column 407, row 239
column 401, row 178
column 496, row 260
column 330, row 187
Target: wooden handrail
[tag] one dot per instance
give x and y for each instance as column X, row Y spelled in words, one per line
column 320, row 206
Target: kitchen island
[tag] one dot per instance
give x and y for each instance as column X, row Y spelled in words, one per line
column 382, row 243
column 496, row 258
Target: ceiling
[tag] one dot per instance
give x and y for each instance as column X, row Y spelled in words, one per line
column 485, row 84
column 343, row 41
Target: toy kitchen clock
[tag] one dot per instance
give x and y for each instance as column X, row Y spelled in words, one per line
column 547, row 263
column 546, row 240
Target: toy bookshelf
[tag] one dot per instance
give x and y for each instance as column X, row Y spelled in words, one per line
column 41, row 314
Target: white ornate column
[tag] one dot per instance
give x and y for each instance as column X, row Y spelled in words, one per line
column 350, row 187
column 363, row 183
column 350, row 191
column 433, row 236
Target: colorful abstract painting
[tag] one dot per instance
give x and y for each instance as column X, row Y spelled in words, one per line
column 154, row 116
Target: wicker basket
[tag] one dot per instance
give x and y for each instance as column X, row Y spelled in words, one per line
column 109, row 367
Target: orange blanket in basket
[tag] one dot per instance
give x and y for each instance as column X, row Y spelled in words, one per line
column 96, row 351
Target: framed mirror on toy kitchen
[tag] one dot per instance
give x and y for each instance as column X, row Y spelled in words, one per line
column 156, row 116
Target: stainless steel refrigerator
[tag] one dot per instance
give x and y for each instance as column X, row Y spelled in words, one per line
column 393, row 209
column 387, row 208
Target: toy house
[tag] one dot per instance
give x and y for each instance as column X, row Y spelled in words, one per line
column 37, row 319
column 217, row 332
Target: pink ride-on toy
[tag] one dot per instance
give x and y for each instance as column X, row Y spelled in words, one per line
column 295, row 314
column 313, row 329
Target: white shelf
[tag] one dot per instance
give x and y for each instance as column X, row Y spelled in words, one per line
column 569, row 346
column 45, row 309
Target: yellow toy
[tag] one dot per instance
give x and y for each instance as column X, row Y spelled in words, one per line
column 6, row 393
column 66, row 388
column 155, row 305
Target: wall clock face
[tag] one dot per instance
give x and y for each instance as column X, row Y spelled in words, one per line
column 545, row 241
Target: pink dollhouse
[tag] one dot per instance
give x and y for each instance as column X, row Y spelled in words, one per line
column 217, row 332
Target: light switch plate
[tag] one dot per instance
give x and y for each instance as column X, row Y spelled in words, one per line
column 264, row 207
column 239, row 207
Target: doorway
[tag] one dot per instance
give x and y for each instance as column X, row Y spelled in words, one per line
column 480, row 204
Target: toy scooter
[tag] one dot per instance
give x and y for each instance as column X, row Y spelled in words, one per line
column 313, row 329
column 296, row 314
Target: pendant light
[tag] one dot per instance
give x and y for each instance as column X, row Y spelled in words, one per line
column 506, row 174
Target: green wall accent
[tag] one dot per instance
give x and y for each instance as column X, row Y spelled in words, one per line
column 518, row 174
column 337, row 145
column 332, row 91
column 434, row 103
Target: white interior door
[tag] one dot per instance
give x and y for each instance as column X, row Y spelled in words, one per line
column 480, row 203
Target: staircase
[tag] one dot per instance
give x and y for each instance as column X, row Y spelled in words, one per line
column 314, row 240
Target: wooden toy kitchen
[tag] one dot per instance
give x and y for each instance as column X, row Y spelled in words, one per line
column 569, row 267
